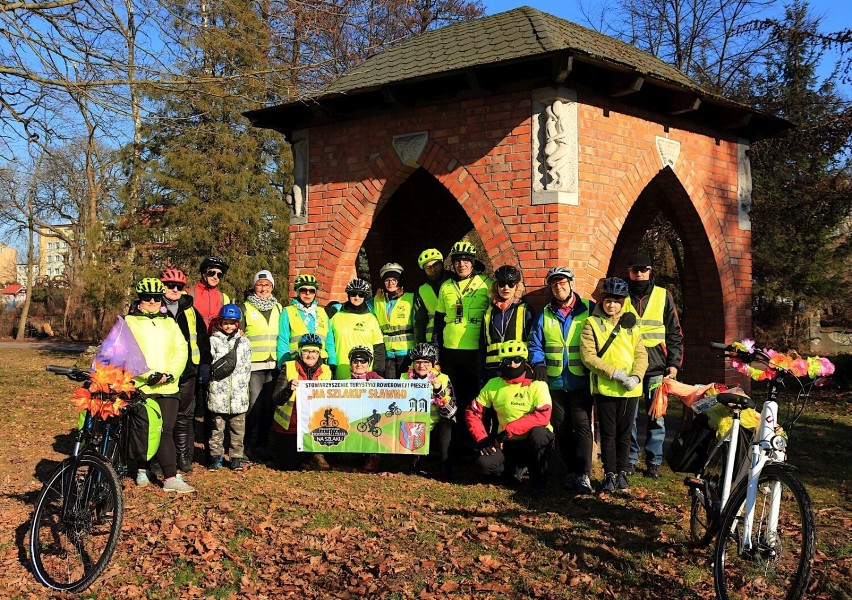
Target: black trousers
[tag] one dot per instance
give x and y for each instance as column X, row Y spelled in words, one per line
column 166, row 455
column 396, row 366
column 462, row 367
column 572, row 425
column 531, row 452
column 615, row 416
column 184, row 425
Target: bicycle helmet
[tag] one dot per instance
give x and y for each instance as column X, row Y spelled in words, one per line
column 231, row 311
column 424, row 351
column 507, row 273
column 173, row 276
column 305, row 280
column 463, row 250
column 394, row 270
column 213, row 262
column 150, row 285
column 558, row 273
column 615, row 286
column 513, row 348
column 428, row 256
column 361, row 352
column 310, row 340
column 358, row 285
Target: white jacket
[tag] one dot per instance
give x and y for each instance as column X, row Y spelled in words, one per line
column 230, row 396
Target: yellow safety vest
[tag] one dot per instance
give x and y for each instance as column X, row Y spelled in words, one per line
column 192, row 325
column 511, row 401
column 298, row 328
column 651, row 323
column 434, row 414
column 398, row 327
column 493, row 345
column 430, row 301
column 285, row 411
column 262, row 334
column 350, row 330
column 555, row 345
column 461, row 331
column 620, row 354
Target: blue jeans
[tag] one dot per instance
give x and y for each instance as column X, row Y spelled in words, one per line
column 656, row 433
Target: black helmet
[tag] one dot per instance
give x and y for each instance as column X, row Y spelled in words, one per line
column 615, row 286
column 507, row 273
column 214, row 262
column 423, row 351
column 361, row 352
column 358, row 285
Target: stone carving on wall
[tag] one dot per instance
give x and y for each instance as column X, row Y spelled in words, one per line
column 669, row 151
column 298, row 196
column 743, row 186
column 409, row 147
column 555, row 150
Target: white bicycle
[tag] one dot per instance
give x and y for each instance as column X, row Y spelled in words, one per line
column 751, row 500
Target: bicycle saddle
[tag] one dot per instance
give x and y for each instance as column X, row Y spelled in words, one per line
column 740, row 401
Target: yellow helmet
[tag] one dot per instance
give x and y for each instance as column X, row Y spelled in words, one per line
column 461, row 249
column 305, row 280
column 513, row 348
column 428, row 256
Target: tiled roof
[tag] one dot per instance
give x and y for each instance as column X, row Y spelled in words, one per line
column 512, row 35
column 11, row 289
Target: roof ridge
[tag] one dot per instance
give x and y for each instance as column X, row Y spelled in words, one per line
column 541, row 27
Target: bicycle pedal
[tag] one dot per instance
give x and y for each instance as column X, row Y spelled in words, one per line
column 695, row 483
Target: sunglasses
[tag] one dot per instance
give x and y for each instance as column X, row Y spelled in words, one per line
column 359, row 361
column 510, row 284
column 512, row 360
column 558, row 282
column 212, row 273
column 150, row 297
column 357, row 295
column 307, row 291
column 174, row 286
column 640, row 269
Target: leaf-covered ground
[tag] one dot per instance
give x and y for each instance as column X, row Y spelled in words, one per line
column 264, row 533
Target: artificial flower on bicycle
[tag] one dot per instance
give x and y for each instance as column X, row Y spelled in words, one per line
column 109, row 390
column 800, row 366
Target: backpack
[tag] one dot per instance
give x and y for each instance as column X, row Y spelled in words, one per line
column 690, row 449
column 145, row 426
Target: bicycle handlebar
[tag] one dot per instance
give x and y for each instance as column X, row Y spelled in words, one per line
column 70, row 372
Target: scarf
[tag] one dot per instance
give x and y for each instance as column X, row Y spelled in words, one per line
column 262, row 304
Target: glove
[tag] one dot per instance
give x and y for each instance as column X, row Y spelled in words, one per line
column 486, row 446
column 154, row 378
column 503, row 436
column 620, row 376
column 203, row 374
column 631, row 382
column 540, row 372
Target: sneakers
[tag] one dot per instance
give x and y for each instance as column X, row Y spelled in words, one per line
column 178, row 485
column 142, row 478
column 631, row 469
column 654, row 471
column 570, row 482
column 215, row 462
column 610, row 483
column 584, row 485
column 236, row 464
column 621, row 481
column 373, row 464
column 318, row 461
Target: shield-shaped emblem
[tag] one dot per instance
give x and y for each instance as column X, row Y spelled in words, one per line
column 412, row 435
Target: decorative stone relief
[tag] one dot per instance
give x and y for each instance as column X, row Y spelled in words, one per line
column 743, row 186
column 555, row 151
column 298, row 196
column 409, row 147
column 669, row 151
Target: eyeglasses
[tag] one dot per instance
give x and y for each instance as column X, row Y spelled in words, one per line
column 310, row 351
column 357, row 295
column 640, row 269
column 174, row 286
column 263, row 284
column 510, row 284
column 150, row 297
column 511, row 360
column 558, row 283
column 307, row 291
column 422, row 363
column 213, row 273
column 359, row 361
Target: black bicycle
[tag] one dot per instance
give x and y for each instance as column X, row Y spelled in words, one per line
column 77, row 518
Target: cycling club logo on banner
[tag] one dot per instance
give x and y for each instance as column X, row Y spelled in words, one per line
column 329, row 427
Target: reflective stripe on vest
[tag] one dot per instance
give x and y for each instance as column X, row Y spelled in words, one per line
column 620, row 354
column 493, row 346
column 263, row 334
column 555, row 344
column 284, row 412
column 398, row 330
column 461, row 331
column 430, row 301
column 298, row 328
column 192, row 325
column 651, row 323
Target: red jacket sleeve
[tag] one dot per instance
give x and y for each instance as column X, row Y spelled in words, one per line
column 539, row 417
column 473, row 416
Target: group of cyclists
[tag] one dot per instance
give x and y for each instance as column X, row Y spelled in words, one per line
column 508, row 382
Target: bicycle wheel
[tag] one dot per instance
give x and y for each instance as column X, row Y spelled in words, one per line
column 704, row 509
column 362, row 426
column 779, row 563
column 376, row 431
column 76, row 524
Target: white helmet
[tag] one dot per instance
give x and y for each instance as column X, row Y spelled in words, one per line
column 394, row 270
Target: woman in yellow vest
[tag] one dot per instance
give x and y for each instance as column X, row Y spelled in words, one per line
column 354, row 325
column 304, row 315
column 424, row 358
column 261, row 315
column 426, row 301
column 306, row 366
column 611, row 347
column 523, row 410
column 394, row 310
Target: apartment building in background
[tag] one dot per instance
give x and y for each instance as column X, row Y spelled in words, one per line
column 8, row 265
column 53, row 253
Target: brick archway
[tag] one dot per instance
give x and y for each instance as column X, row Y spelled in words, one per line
column 359, row 208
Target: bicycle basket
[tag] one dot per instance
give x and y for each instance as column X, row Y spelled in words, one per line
column 690, row 449
column 145, row 426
